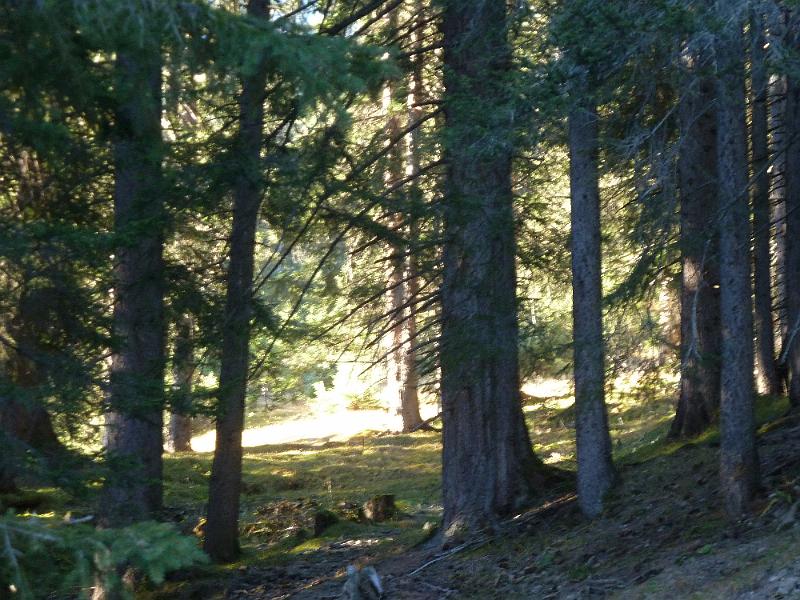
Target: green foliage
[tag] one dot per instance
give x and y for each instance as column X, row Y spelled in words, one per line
column 364, row 401
column 40, row 558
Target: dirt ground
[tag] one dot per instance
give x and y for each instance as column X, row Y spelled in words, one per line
column 663, row 536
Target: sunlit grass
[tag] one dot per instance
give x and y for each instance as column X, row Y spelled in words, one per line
column 285, row 484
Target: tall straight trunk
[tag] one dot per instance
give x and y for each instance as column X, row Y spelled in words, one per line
column 222, row 526
column 180, row 423
column 700, row 318
column 401, row 360
column 133, row 488
column 410, row 386
column 397, row 282
column 595, row 469
column 791, row 350
column 769, row 382
column 777, row 199
column 738, row 453
column 776, row 30
column 489, row 468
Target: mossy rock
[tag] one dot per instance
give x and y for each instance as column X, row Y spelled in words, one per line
column 380, row 508
column 323, row 520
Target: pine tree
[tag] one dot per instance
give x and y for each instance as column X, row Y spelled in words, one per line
column 595, row 470
column 222, row 528
column 769, row 381
column 739, row 470
column 489, row 468
column 698, row 401
column 133, row 489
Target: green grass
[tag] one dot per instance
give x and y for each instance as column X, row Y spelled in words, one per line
column 284, row 485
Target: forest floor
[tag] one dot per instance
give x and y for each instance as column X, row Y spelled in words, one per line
column 662, row 536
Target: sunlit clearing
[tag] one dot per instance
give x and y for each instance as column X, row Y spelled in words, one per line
column 333, row 415
column 547, row 388
column 339, row 426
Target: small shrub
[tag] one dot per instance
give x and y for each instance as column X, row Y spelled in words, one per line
column 41, row 558
column 364, row 401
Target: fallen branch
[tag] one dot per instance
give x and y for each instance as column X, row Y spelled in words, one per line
column 449, row 553
column 426, row 424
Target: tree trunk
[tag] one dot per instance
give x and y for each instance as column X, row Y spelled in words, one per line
column 595, row 469
column 24, row 425
column 402, row 377
column 769, row 382
column 398, row 293
column 22, row 416
column 410, row 385
column 489, row 468
column 411, row 415
column 700, row 320
column 133, row 489
column 777, row 127
column 791, row 350
column 738, row 453
column 180, row 424
column 222, row 526
column 776, row 31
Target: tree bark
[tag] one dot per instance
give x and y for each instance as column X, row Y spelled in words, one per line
column 24, row 425
column 180, row 424
column 776, row 31
column 412, row 420
column 700, row 318
column 595, row 469
column 402, row 376
column 777, row 127
column 791, row 350
column 738, row 454
column 22, row 416
column 398, row 284
column 133, row 488
column 489, row 468
column 769, row 382
column 222, row 526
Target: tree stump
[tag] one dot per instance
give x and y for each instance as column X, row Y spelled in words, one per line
column 322, row 520
column 380, row 508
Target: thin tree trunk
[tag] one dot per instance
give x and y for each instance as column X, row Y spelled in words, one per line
column 776, row 30
column 410, row 386
column 595, row 469
column 489, row 468
column 738, row 454
column 791, row 351
column 133, row 489
column 411, row 415
column 397, row 254
column 222, row 526
column 777, row 113
column 769, row 382
column 180, row 424
column 402, row 375
column 700, row 319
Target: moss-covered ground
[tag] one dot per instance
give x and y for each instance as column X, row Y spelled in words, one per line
column 663, row 534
